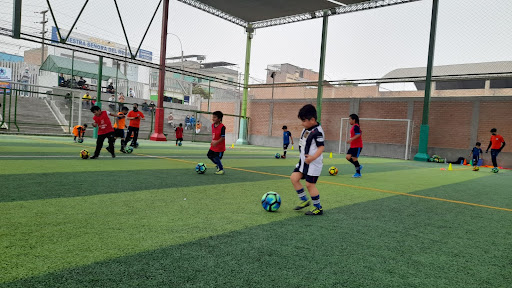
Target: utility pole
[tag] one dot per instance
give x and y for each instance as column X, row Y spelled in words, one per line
column 43, row 32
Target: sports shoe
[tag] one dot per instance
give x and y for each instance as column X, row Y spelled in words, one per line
column 302, row 205
column 122, row 150
column 220, row 172
column 111, row 152
column 94, row 157
column 357, row 175
column 315, row 211
column 282, row 156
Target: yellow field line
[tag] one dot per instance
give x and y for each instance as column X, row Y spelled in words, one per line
column 352, row 186
column 327, row 182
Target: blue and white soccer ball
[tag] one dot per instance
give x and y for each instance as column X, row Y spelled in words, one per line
column 179, row 144
column 200, row 168
column 277, row 155
column 271, row 201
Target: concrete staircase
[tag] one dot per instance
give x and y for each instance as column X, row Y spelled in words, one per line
column 33, row 116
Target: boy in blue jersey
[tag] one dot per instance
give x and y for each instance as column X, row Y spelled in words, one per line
column 287, row 136
column 476, row 153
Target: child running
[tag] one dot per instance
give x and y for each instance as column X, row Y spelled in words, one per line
column 476, row 152
column 496, row 144
column 311, row 147
column 287, row 136
column 105, row 130
column 218, row 145
column 179, row 134
column 119, row 126
column 356, row 144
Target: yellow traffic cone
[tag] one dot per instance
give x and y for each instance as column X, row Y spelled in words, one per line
column 292, row 147
column 450, row 167
column 330, row 155
column 232, row 146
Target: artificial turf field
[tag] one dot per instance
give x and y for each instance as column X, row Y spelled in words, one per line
column 124, row 222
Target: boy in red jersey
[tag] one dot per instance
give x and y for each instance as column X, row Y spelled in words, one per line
column 496, row 144
column 218, row 145
column 105, row 130
column 179, row 134
column 356, row 144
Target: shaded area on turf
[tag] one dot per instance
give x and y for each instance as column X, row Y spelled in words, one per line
column 24, row 187
column 392, row 242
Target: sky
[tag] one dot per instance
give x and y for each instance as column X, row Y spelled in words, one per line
column 360, row 45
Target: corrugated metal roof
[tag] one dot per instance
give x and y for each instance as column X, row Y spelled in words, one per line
column 499, row 67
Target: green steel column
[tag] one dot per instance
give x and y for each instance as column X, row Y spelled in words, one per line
column 16, row 19
column 98, row 91
column 422, row 154
column 322, row 67
column 242, row 133
column 3, row 106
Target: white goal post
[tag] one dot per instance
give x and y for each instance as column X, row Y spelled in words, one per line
column 346, row 131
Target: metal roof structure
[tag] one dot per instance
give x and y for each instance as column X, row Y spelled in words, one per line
column 265, row 13
column 216, row 64
column 79, row 68
column 461, row 70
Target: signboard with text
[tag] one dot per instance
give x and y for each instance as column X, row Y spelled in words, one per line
column 5, row 77
column 100, row 44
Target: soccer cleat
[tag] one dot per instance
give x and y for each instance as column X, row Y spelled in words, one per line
column 220, row 172
column 122, row 150
column 357, row 175
column 282, row 156
column 302, row 205
column 94, row 157
column 315, row 211
column 111, row 152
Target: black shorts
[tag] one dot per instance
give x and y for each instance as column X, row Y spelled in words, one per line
column 355, row 152
column 285, row 146
column 212, row 154
column 119, row 133
column 309, row 179
column 179, row 139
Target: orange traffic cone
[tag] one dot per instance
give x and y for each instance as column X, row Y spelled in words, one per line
column 464, row 162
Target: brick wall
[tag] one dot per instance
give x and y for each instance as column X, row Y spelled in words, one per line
column 454, row 122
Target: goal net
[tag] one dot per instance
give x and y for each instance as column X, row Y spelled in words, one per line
column 389, row 138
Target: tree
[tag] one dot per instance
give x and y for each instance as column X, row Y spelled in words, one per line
column 196, row 89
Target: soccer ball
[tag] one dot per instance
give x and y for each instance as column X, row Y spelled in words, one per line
column 271, row 201
column 80, row 140
column 277, row 155
column 84, row 154
column 495, row 170
column 200, row 168
column 179, row 144
column 128, row 149
column 476, row 168
column 333, row 171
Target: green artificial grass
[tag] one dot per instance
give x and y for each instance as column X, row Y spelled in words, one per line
column 148, row 220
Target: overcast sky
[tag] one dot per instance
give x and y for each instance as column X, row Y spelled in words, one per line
column 365, row 44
